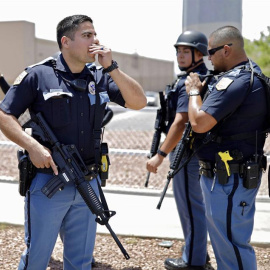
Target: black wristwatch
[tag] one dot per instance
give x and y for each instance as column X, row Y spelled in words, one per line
column 112, row 67
column 163, row 154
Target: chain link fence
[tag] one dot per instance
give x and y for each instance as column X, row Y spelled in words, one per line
column 129, row 137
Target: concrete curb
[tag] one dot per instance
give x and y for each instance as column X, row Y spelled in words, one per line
column 137, row 191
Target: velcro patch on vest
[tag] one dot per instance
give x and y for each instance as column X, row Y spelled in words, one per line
column 20, row 78
column 223, row 84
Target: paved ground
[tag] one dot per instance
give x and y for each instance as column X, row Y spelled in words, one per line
column 138, row 215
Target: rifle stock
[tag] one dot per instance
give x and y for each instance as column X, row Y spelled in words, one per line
column 3, row 84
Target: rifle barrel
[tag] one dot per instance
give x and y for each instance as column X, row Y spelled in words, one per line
column 117, row 241
column 164, row 192
column 147, row 179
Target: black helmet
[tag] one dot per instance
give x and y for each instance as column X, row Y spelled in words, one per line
column 193, row 39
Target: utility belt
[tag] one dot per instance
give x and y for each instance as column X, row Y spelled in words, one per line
column 225, row 165
column 27, row 171
column 93, row 172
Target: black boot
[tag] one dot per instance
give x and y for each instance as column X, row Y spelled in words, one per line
column 175, row 264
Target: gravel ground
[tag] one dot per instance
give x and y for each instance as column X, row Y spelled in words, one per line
column 145, row 253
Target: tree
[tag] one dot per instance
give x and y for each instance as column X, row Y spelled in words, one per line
column 259, row 51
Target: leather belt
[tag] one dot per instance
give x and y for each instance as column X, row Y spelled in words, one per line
column 45, row 170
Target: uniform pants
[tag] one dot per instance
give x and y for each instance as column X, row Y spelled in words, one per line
column 191, row 210
column 230, row 213
column 65, row 213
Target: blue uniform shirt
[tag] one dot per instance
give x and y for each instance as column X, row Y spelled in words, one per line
column 228, row 94
column 69, row 112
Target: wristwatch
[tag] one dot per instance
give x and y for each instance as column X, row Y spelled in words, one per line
column 112, row 67
column 161, row 153
column 194, row 92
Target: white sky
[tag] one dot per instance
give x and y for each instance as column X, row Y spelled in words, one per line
column 148, row 27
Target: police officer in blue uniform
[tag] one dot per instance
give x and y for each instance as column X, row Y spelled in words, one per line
column 191, row 46
column 229, row 145
column 52, row 88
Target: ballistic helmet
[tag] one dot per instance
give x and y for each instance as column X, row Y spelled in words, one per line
column 193, row 39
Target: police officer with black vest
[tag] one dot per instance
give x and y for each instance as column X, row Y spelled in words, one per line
column 190, row 47
column 230, row 124
column 68, row 95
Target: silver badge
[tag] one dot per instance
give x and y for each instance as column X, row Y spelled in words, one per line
column 92, row 88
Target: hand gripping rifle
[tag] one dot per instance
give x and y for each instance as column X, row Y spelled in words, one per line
column 72, row 169
column 182, row 147
column 160, row 126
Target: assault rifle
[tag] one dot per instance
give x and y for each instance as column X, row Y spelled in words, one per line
column 160, row 126
column 182, row 147
column 180, row 150
column 72, row 169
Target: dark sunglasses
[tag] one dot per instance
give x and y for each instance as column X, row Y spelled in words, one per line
column 214, row 50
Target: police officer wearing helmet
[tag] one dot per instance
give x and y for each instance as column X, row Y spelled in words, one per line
column 50, row 88
column 230, row 124
column 190, row 47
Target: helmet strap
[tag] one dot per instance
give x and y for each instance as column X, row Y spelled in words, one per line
column 193, row 63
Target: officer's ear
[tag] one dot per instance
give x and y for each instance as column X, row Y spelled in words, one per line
column 227, row 50
column 65, row 41
column 198, row 55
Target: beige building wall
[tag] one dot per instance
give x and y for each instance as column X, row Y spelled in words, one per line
column 17, row 47
column 44, row 49
column 152, row 74
column 20, row 48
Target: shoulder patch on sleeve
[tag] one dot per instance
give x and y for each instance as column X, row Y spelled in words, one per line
column 223, row 84
column 20, row 78
column 235, row 72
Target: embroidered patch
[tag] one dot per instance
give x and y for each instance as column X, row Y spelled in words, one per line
column 223, row 84
column 92, row 88
column 20, row 78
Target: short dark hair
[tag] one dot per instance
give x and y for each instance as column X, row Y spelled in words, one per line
column 69, row 25
column 227, row 34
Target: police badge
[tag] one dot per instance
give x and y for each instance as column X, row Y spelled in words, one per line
column 92, row 88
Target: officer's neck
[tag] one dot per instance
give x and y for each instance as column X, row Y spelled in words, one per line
column 74, row 65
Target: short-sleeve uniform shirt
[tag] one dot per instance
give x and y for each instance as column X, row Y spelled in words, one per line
column 230, row 95
column 46, row 88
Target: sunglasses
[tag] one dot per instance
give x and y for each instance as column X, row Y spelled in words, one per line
column 214, row 50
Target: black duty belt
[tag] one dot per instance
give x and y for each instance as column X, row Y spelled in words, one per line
column 208, row 168
column 45, row 170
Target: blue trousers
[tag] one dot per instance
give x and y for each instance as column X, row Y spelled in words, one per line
column 230, row 211
column 191, row 210
column 65, row 213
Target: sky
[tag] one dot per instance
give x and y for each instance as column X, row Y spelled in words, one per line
column 147, row 27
